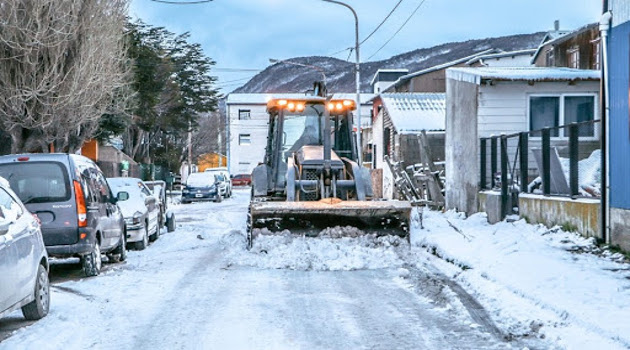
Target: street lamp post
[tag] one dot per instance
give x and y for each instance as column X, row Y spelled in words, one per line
column 356, row 75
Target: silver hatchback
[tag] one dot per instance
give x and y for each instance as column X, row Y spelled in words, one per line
column 23, row 259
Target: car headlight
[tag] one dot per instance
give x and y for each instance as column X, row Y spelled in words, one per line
column 137, row 218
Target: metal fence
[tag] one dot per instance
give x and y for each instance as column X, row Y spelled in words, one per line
column 555, row 161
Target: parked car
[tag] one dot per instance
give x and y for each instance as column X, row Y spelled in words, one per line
column 23, row 259
column 140, row 208
column 241, row 180
column 224, row 178
column 167, row 218
column 206, row 186
column 71, row 198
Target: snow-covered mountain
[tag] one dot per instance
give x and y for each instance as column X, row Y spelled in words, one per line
column 282, row 77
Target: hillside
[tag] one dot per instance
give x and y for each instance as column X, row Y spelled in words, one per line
column 282, row 77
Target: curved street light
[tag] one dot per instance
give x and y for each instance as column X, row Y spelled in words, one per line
column 357, row 75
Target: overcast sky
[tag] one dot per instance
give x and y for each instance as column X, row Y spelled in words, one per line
column 244, row 34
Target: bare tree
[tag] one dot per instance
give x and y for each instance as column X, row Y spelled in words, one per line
column 62, row 66
column 208, row 138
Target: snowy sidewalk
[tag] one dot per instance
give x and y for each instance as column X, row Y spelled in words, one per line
column 570, row 291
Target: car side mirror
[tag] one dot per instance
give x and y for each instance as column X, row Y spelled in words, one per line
column 122, row 196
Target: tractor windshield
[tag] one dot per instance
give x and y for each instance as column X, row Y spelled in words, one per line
column 301, row 130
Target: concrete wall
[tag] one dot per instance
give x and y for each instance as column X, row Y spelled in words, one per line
column 578, row 215
column 620, row 228
column 462, row 167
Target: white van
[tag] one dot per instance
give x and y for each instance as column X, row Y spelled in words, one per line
column 225, row 179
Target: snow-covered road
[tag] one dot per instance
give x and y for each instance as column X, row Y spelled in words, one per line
column 198, row 288
column 510, row 285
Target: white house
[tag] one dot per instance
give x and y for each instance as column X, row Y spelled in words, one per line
column 398, row 119
column 384, row 78
column 247, row 126
column 490, row 101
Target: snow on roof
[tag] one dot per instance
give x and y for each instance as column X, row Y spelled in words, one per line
column 526, row 52
column 476, row 75
column 262, row 98
column 412, row 112
column 441, row 66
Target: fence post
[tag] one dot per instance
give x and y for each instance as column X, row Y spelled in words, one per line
column 493, row 161
column 546, row 158
column 524, row 161
column 505, row 200
column 574, row 132
column 482, row 174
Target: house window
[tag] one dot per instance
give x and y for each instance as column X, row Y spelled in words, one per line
column 573, row 57
column 549, row 59
column 244, row 114
column 595, row 49
column 243, row 167
column 552, row 111
column 244, row 139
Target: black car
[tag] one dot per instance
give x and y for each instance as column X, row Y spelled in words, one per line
column 206, row 186
column 71, row 198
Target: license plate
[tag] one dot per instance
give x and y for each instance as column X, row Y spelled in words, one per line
column 198, row 195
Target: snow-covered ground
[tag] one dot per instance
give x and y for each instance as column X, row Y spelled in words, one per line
column 575, row 294
column 461, row 284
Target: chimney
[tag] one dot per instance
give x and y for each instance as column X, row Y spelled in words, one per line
column 556, row 25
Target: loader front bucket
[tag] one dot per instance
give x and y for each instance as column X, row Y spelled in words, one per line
column 311, row 218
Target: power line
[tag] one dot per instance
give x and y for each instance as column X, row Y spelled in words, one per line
column 398, row 31
column 235, row 80
column 182, row 2
column 369, row 35
column 382, row 22
column 223, row 69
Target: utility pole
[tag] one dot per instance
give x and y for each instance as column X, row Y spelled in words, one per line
column 357, row 75
column 189, row 147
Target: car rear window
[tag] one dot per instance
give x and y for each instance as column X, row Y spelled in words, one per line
column 37, row 182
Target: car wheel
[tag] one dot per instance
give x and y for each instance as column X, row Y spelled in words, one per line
column 92, row 262
column 39, row 307
column 155, row 235
column 219, row 198
column 120, row 253
column 142, row 245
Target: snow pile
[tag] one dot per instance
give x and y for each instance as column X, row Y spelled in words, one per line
column 589, row 173
column 329, row 252
column 532, row 275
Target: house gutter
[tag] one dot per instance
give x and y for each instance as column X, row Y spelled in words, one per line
column 604, row 27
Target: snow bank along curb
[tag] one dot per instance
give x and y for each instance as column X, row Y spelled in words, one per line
column 583, row 300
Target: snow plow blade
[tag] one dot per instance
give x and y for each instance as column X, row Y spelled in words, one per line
column 310, row 218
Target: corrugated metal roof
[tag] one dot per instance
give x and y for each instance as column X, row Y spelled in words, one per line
column 412, row 112
column 476, row 75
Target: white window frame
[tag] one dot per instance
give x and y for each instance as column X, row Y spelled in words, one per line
column 573, row 52
column 561, row 121
column 241, row 138
column 249, row 114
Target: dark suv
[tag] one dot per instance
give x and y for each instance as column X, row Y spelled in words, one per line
column 70, row 196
